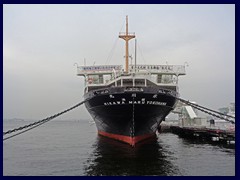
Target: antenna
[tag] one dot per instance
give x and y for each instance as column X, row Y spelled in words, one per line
column 131, row 58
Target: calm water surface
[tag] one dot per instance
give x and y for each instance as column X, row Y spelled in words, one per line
column 73, row 148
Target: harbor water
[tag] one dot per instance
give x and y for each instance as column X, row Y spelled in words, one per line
column 73, row 148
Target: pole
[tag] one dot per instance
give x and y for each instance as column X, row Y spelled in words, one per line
column 135, row 56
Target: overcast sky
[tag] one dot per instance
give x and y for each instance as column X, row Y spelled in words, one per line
column 42, row 42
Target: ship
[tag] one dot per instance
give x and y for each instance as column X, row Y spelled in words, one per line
column 129, row 104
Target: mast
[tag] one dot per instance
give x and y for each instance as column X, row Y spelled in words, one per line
column 135, row 64
column 126, row 37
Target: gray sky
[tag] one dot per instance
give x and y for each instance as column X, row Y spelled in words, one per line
column 42, row 42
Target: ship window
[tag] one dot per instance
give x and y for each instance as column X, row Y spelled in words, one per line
column 154, row 77
column 119, row 83
column 93, row 79
column 167, row 79
column 107, row 78
column 127, row 82
column 139, row 82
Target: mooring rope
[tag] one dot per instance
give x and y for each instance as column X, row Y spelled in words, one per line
column 37, row 123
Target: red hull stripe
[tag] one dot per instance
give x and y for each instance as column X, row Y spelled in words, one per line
column 130, row 140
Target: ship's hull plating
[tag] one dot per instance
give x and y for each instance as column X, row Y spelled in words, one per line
column 129, row 116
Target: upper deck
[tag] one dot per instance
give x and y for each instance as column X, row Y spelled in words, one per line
column 176, row 70
column 142, row 75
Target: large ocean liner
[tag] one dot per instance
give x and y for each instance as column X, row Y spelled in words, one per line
column 129, row 104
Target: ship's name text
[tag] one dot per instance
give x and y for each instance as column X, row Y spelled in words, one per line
column 135, row 102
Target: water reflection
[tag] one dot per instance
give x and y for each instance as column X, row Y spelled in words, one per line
column 111, row 157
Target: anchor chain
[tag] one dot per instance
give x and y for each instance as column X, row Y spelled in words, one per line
column 38, row 123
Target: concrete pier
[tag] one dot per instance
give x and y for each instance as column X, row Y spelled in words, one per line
column 208, row 134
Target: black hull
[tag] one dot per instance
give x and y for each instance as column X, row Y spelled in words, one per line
column 128, row 115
